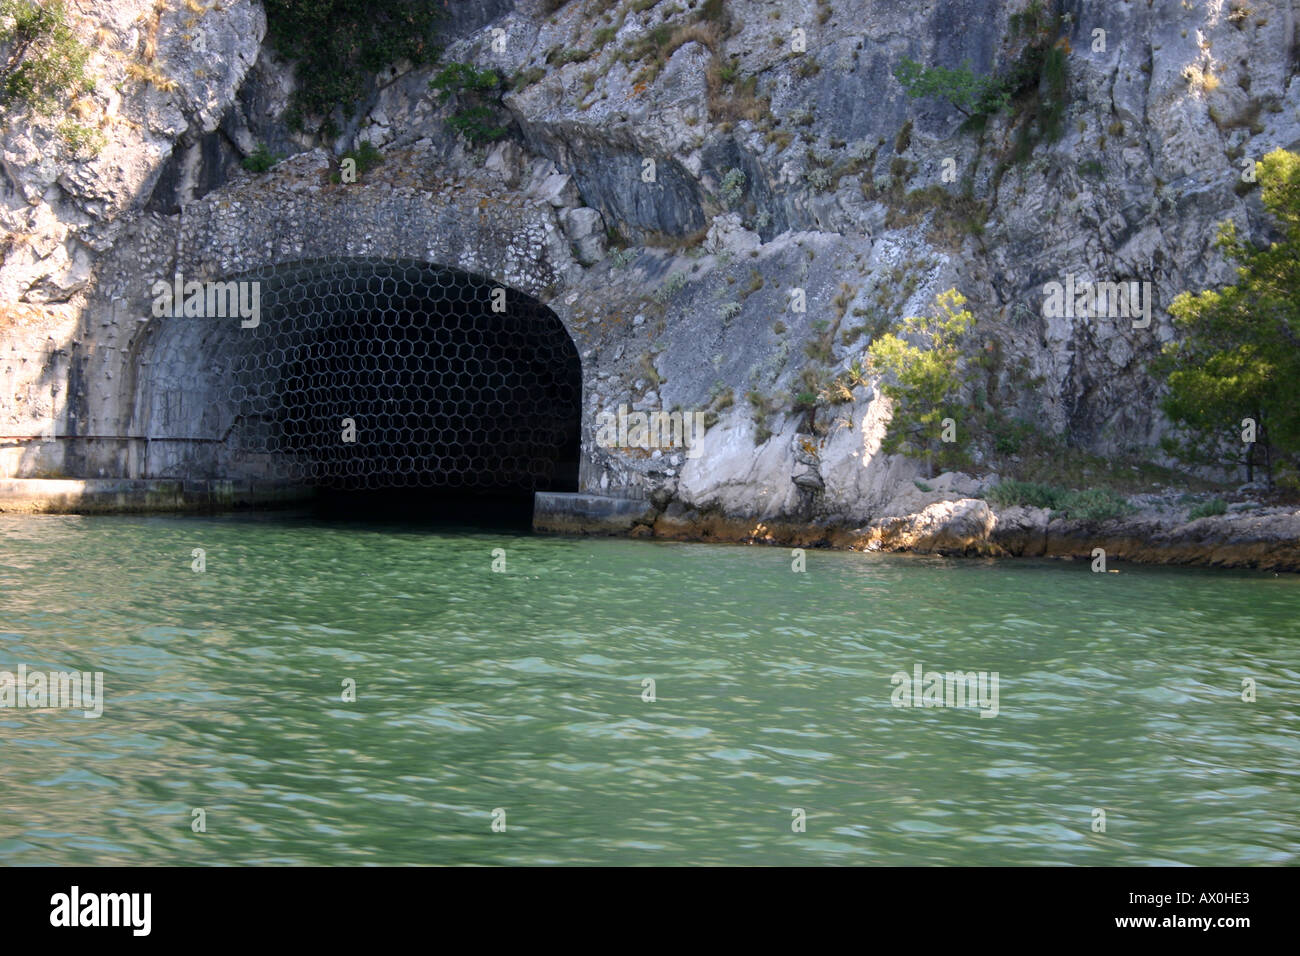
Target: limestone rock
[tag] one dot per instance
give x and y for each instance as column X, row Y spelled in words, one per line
column 586, row 230
column 945, row 527
column 1022, row 531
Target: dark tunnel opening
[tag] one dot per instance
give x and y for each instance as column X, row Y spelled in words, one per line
column 407, row 388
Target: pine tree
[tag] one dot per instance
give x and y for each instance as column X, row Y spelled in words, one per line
column 43, row 59
column 1236, row 362
column 920, row 365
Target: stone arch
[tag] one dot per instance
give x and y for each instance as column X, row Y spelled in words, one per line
column 449, row 379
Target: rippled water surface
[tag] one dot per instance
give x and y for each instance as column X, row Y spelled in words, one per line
column 523, row 691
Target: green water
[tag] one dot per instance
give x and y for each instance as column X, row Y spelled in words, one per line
column 523, row 690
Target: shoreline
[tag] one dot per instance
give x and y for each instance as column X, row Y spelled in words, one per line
column 1266, row 541
column 1266, row 538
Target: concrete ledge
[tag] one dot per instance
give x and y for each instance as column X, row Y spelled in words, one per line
column 568, row 513
column 141, row 495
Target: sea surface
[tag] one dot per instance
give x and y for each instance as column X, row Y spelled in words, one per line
column 507, row 715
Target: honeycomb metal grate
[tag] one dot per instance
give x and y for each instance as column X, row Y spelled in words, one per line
column 444, row 391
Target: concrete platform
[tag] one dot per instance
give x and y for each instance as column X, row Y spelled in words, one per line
column 577, row 513
column 142, row 495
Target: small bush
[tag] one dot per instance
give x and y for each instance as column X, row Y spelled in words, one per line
column 83, row 142
column 366, row 157
column 672, row 285
column 819, row 179
column 807, row 66
column 1010, row 435
column 720, row 399
column 1215, row 506
column 260, row 160
column 564, row 57
column 1026, row 494
column 1095, row 504
column 526, row 78
column 1033, row 86
column 44, row 60
column 970, row 94
column 714, row 11
column 477, row 93
column 760, row 408
column 339, row 45
column 733, row 187
column 753, row 285
column 619, row 258
column 476, row 124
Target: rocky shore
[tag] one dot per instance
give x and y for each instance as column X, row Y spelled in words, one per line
column 1266, row 538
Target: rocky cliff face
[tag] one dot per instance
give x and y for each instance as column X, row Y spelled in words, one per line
column 679, row 174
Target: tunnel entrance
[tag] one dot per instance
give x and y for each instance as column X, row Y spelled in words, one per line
column 378, row 382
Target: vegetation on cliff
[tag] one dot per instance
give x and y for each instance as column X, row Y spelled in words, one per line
column 1090, row 504
column 922, row 373
column 1232, row 372
column 1032, row 86
column 339, row 45
column 478, row 114
column 45, row 59
column 45, row 68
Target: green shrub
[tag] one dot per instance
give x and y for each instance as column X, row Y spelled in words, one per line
column 1033, row 85
column 44, row 60
column 620, row 258
column 562, row 57
column 1010, row 435
column 464, row 78
column 733, row 187
column 478, row 98
column 672, row 285
column 526, row 78
column 83, row 142
column 923, row 380
column 1215, row 506
column 1093, row 504
column 1026, row 494
column 807, row 66
column 339, row 45
column 477, row 124
column 760, row 408
column 260, row 160
column 819, row 179
column 366, row 156
column 970, row 94
column 714, row 11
